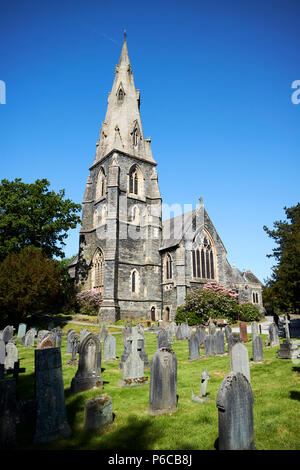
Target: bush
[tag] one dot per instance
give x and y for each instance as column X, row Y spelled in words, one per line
column 249, row 312
column 89, row 301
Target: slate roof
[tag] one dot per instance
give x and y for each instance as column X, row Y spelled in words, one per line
column 174, row 229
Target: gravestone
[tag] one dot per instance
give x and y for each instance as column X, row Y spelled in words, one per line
column 219, row 343
column 47, row 342
column 2, row 351
column 239, row 360
column 179, row 334
column 170, row 334
column 185, row 330
column 98, row 412
column 109, row 348
column 194, row 353
column 163, row 382
column 286, row 326
column 88, row 374
column 287, row 350
column 22, row 330
column 233, row 339
column 257, row 349
column 126, row 331
column 273, row 335
column 211, row 328
column 70, row 335
column 41, row 335
column 83, row 333
column 202, row 398
column 140, row 348
column 163, row 339
column 28, row 339
column 58, row 334
column 209, row 345
column 133, row 367
column 8, row 333
column 243, row 331
column 228, row 332
column 103, row 333
column 51, row 417
column 200, row 332
column 254, row 330
column 75, row 343
column 8, row 414
column 11, row 356
column 235, row 413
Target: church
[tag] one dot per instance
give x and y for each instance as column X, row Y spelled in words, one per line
column 143, row 266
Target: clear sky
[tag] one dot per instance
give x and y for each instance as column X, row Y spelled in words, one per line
column 215, row 79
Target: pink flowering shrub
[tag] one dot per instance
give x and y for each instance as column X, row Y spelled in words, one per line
column 89, row 301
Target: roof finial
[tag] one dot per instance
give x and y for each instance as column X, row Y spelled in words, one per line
column 201, row 201
column 125, row 34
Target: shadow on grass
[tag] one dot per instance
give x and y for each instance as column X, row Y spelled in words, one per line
column 294, row 395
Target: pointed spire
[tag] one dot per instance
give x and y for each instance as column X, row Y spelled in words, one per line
column 122, row 128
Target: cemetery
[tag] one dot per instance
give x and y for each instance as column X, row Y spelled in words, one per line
column 171, row 387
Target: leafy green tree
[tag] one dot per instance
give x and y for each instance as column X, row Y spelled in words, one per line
column 32, row 215
column 283, row 289
column 29, row 283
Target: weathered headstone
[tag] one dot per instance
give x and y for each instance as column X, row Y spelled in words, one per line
column 133, row 367
column 70, row 335
column 287, row 350
column 286, row 326
column 194, row 345
column 163, row 339
column 202, row 398
column 109, row 348
column 254, row 330
column 58, row 335
column 170, row 334
column 140, row 348
column 163, row 382
column 228, row 332
column 98, row 412
column 103, row 333
column 219, row 343
column 22, row 330
column 28, row 339
column 185, row 330
column 88, row 374
column 51, row 417
column 273, row 335
column 41, row 335
column 179, row 333
column 243, row 331
column 47, row 342
column 209, row 345
column 8, row 333
column 126, row 331
column 83, row 333
column 2, row 351
column 257, row 349
column 235, row 413
column 8, row 413
column 233, row 339
column 200, row 332
column 239, row 360
column 11, row 356
column 211, row 328
column 75, row 344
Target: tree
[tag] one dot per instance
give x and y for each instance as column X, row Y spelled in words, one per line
column 32, row 215
column 29, row 283
column 283, row 289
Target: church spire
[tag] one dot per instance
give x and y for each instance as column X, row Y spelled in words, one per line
column 122, row 127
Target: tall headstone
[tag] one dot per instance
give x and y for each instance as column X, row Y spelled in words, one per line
column 254, row 330
column 273, row 335
column 88, row 374
column 109, row 348
column 103, row 333
column 219, row 343
column 70, row 335
column 200, row 332
column 228, row 332
column 257, row 349
column 239, row 360
column 133, row 367
column 211, row 328
column 163, row 339
column 235, row 413
column 8, row 413
column 194, row 346
column 286, row 324
column 243, row 331
column 22, row 330
column 209, row 345
column 51, row 417
column 179, row 333
column 11, row 356
column 163, row 382
column 233, row 339
column 140, row 347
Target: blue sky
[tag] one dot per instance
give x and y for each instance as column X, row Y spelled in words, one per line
column 215, row 80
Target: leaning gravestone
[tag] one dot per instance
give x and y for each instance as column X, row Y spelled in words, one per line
column 239, row 360
column 28, row 339
column 8, row 413
column 98, row 412
column 194, row 345
column 163, row 382
column 163, row 339
column 8, row 333
column 88, row 374
column 51, row 417
column 22, row 330
column 257, row 349
column 243, row 331
column 273, row 335
column 219, row 343
column 109, row 348
column 11, row 356
column 235, row 413
column 209, row 345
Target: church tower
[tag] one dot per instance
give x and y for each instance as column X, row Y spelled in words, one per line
column 121, row 228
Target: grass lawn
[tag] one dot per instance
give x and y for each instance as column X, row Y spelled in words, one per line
column 275, row 385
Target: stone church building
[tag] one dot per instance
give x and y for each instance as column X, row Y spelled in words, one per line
column 143, row 266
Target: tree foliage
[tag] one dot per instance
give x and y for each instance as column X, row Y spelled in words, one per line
column 29, row 283
column 283, row 289
column 32, row 215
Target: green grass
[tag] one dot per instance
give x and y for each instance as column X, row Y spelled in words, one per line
column 275, row 385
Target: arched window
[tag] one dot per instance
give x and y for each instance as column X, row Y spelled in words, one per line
column 98, row 270
column 203, row 264
column 167, row 264
column 101, row 184
column 134, row 282
column 135, row 136
column 121, row 95
column 135, row 181
column 134, row 215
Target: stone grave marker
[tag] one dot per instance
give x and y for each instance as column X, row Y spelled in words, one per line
column 109, row 348
column 233, row 339
column 170, row 334
column 185, row 330
column 98, row 412
column 219, row 343
column 228, row 332
column 179, row 333
column 286, row 326
column 194, row 346
column 209, row 345
column 22, row 330
column 273, row 335
column 8, row 333
column 126, row 331
column 103, row 333
column 11, row 356
column 140, row 348
column 2, row 352
column 83, row 333
column 163, row 339
column 254, row 330
column 8, row 413
column 28, row 339
column 41, row 335
column 70, row 335
column 51, row 417
column 88, row 374
column 287, row 350
column 58, row 333
column 243, row 331
column 202, row 398
column 133, row 367
column 47, row 342
column 235, row 413
column 211, row 328
column 239, row 360
column 257, row 349
column 200, row 332
column 163, row 382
